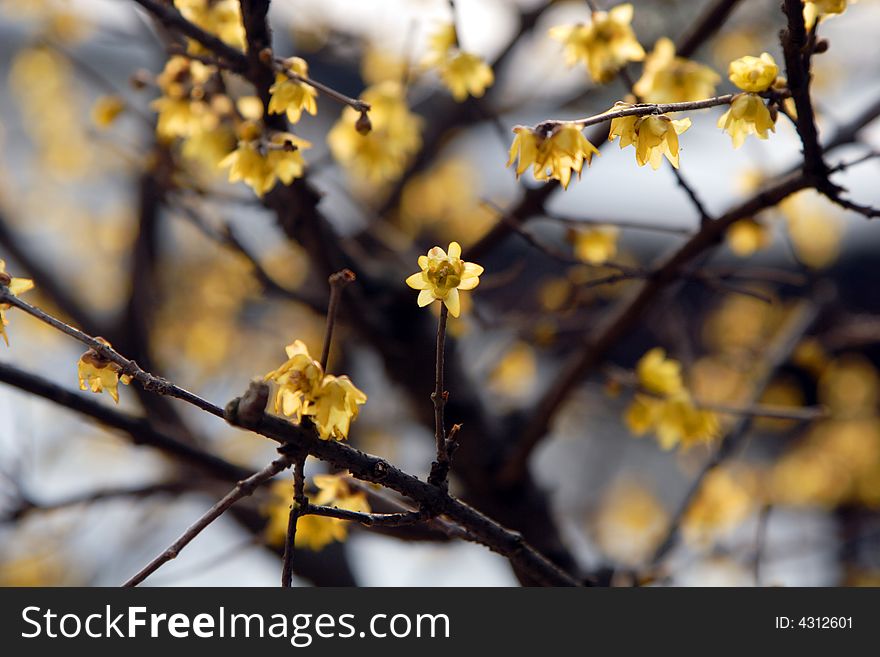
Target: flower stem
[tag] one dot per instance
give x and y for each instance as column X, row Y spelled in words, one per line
column 440, row 468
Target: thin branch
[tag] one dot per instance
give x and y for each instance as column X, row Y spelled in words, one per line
column 298, row 504
column 168, row 15
column 366, row 519
column 338, row 283
column 243, row 488
column 149, row 382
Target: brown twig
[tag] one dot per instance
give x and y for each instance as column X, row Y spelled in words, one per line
column 242, row 489
column 338, row 283
column 440, row 467
column 298, row 504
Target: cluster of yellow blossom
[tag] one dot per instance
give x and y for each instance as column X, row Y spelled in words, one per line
column 261, row 164
column 654, row 136
column 313, row 532
column 815, row 228
column 605, row 44
column 553, row 154
column 445, row 201
column 97, row 373
column 381, row 153
column 838, row 462
column 463, row 73
column 291, row 96
column 595, row 245
column 219, row 17
column 442, row 275
column 748, row 114
column 670, row 79
column 302, row 389
column 15, row 286
column 665, row 406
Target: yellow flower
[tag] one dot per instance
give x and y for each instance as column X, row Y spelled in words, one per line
column 292, row 96
column 463, row 73
column 596, row 245
column 754, row 74
column 302, row 389
column 630, row 524
column 313, row 532
column 670, row 79
column 260, row 168
column 219, row 17
column 106, row 109
column 819, row 9
column 15, row 286
column 97, row 373
column 625, row 127
column 383, row 153
column 726, row 499
column 555, row 156
column 443, row 275
column 605, row 44
column 748, row 115
column 747, row 236
column 658, row 374
column 658, row 136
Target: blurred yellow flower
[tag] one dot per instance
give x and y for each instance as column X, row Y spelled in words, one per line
column 382, row 154
column 292, row 96
column 658, row 374
column 98, row 374
column 747, row 115
column 463, row 73
column 727, row 497
column 630, row 524
column 604, row 45
column 313, row 532
column 302, row 389
column 596, row 245
column 219, row 17
column 442, row 275
column 15, row 286
column 514, row 375
column 754, row 74
column 670, row 79
column 748, row 236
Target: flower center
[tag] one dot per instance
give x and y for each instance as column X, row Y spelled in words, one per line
column 445, row 275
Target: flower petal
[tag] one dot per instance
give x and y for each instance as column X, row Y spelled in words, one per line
column 417, row 281
column 454, row 250
column 425, row 297
column 453, row 302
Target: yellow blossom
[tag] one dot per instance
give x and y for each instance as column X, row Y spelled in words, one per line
column 260, row 166
column 292, row 96
column 219, row 17
column 596, row 245
column 381, row 155
column 555, row 156
column 605, row 44
column 630, row 524
column 302, row 389
column 514, row 375
column 748, row 236
column 658, row 136
column 443, row 275
column 726, row 498
column 313, row 532
column 658, row 374
column 670, row 79
column 15, row 286
column 463, row 73
column 820, row 9
column 754, row 74
column 106, row 109
column 97, row 373
column 747, row 115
